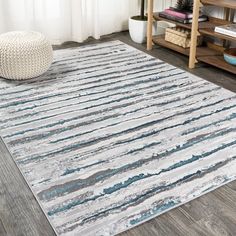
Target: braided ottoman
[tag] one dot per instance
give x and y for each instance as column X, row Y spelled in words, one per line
column 24, row 55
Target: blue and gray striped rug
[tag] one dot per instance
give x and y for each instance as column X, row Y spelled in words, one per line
column 110, row 137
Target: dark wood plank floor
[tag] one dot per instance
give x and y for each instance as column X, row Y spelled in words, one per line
column 20, row 214
column 213, row 214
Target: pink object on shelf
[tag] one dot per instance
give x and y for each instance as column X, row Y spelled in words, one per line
column 178, row 14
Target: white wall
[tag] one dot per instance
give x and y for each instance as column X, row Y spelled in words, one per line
column 160, row 5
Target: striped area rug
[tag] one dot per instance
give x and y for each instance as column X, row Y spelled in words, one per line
column 110, row 137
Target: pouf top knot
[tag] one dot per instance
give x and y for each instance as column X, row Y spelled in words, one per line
column 24, row 55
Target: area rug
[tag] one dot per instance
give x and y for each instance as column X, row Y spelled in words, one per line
column 111, row 137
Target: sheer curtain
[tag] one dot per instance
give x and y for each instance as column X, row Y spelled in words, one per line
column 69, row 20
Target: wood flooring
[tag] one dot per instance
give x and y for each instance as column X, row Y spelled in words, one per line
column 20, row 214
column 213, row 214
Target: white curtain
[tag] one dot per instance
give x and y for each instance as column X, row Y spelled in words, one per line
column 69, row 20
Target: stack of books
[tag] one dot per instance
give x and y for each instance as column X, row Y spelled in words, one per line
column 180, row 16
column 229, row 30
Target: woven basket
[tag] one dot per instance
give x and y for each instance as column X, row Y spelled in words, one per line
column 180, row 36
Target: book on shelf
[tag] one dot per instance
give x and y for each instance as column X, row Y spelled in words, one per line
column 178, row 13
column 181, row 20
column 229, row 30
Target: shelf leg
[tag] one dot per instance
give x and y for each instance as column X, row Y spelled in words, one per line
column 227, row 14
column 149, row 26
column 194, row 34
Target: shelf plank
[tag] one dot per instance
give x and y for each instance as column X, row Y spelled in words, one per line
column 202, row 25
column 201, row 51
column 211, row 32
column 160, row 40
column 220, row 3
column 219, row 62
column 158, row 18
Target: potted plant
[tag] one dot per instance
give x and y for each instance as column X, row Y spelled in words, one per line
column 185, row 5
column 138, row 25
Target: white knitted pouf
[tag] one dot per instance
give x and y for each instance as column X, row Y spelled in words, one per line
column 24, row 55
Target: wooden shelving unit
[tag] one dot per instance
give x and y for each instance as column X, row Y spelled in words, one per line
column 214, row 61
column 203, row 54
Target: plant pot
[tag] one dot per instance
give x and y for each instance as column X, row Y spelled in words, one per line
column 138, row 30
column 230, row 56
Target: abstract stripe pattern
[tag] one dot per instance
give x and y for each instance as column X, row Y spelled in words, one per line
column 110, row 137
